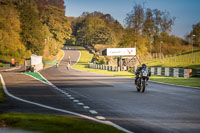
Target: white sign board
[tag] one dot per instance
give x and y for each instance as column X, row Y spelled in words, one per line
column 35, row 60
column 120, row 51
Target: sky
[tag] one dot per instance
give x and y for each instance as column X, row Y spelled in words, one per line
column 187, row 12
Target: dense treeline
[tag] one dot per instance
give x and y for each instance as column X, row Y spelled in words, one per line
column 32, row 27
column 146, row 29
column 195, row 35
column 40, row 27
column 96, row 28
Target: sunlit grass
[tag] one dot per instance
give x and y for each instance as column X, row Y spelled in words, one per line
column 183, row 60
column 61, row 53
column 86, row 58
column 195, row 82
column 53, row 124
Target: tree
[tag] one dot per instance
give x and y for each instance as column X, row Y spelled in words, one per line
column 135, row 19
column 32, row 29
column 149, row 23
column 92, row 30
column 58, row 26
column 195, row 34
column 10, row 41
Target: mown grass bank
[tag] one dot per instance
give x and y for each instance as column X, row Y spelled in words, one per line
column 53, row 124
column 86, row 58
column 53, row 61
column 195, row 82
column 184, row 60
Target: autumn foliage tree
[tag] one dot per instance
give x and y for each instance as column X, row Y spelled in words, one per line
column 146, row 28
column 97, row 28
column 32, row 27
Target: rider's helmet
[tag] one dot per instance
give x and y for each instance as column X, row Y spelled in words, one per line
column 144, row 65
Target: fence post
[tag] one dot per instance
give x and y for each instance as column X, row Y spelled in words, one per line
column 159, row 71
column 176, row 70
column 167, row 71
column 152, row 71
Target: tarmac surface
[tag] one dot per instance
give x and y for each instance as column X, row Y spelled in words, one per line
column 161, row 109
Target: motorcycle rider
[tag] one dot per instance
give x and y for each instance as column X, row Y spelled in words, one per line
column 139, row 69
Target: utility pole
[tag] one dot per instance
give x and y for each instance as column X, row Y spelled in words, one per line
column 193, row 36
column 161, row 51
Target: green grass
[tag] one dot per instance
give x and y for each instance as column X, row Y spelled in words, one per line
column 54, row 61
column 1, row 93
column 183, row 60
column 86, row 57
column 36, row 75
column 53, row 124
column 195, row 82
column 1, row 64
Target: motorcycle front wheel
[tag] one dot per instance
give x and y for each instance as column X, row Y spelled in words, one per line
column 143, row 85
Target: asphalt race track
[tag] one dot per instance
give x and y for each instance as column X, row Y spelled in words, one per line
column 161, row 109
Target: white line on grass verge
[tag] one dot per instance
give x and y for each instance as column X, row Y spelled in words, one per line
column 60, row 110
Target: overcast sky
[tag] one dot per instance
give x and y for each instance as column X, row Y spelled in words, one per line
column 187, row 12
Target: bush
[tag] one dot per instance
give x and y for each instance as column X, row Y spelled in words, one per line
column 101, row 60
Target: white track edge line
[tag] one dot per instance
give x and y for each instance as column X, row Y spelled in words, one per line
column 61, row 110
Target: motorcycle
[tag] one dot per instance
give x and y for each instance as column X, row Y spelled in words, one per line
column 141, row 82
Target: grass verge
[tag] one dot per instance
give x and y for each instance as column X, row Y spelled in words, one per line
column 183, row 60
column 61, row 53
column 86, row 58
column 1, row 93
column 195, row 82
column 53, row 124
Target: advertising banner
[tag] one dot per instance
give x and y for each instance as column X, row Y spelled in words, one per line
column 120, row 51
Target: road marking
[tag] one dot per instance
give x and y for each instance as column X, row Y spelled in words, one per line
column 86, row 107
column 61, row 110
column 100, row 117
column 93, row 112
column 72, row 98
column 76, row 101
column 80, row 103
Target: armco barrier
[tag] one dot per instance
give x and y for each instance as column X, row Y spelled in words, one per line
column 103, row 67
column 159, row 71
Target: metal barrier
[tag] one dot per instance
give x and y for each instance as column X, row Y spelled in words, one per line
column 158, row 71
